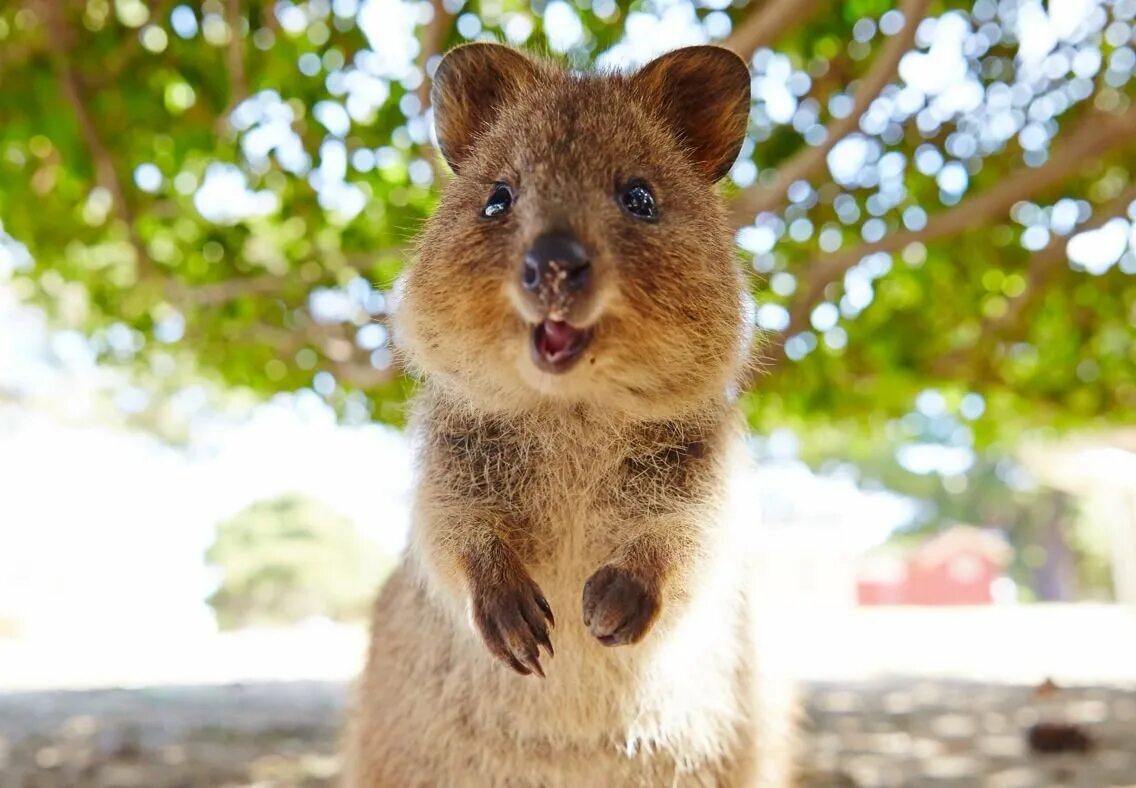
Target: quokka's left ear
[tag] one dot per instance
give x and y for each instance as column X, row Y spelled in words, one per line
column 703, row 94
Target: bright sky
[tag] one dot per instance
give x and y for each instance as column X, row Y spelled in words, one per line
column 103, row 525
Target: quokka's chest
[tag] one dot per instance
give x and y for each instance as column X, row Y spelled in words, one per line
column 569, row 500
column 648, row 468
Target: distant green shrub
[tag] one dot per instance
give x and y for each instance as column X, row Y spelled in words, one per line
column 285, row 560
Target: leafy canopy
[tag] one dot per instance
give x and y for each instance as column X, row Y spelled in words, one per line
column 236, row 187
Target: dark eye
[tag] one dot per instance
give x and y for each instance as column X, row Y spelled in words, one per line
column 637, row 199
column 500, row 201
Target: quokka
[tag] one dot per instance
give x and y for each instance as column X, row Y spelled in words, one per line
column 573, row 609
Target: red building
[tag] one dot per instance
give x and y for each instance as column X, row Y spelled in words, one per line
column 955, row 567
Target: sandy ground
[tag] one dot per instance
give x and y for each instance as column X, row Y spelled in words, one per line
column 912, row 732
column 903, row 698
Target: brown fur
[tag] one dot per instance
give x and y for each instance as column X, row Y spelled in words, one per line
column 583, row 511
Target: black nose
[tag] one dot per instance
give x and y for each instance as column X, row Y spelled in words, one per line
column 558, row 261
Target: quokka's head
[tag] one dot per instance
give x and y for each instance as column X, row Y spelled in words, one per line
column 581, row 253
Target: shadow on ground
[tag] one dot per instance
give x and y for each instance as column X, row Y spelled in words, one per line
column 273, row 734
column 879, row 733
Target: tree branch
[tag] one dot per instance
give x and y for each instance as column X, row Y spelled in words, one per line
column 766, row 24
column 59, row 40
column 15, row 56
column 340, row 355
column 1043, row 266
column 216, row 293
column 128, row 48
column 235, row 62
column 1097, row 134
column 364, row 375
column 1049, row 260
column 810, row 160
column 432, row 38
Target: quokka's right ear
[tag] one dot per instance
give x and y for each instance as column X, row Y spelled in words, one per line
column 471, row 85
column 702, row 92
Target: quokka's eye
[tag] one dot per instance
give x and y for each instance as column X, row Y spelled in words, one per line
column 500, row 201
column 637, row 199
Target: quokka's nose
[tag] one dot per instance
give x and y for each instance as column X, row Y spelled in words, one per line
column 556, row 263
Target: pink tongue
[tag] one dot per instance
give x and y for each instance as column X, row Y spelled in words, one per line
column 558, row 337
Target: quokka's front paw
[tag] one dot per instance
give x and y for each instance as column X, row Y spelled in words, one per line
column 619, row 605
column 513, row 620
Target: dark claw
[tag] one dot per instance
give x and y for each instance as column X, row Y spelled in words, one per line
column 537, row 626
column 532, row 662
column 542, row 603
column 547, row 643
column 511, row 621
column 517, row 666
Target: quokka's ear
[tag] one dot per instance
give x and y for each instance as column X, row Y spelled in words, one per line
column 471, row 85
column 703, row 94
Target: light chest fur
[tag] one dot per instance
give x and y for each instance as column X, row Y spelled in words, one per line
column 677, row 709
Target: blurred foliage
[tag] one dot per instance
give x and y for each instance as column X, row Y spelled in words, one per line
column 289, row 559
column 1056, row 555
column 236, row 187
column 928, row 456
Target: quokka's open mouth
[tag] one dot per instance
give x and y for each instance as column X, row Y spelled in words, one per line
column 557, row 345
